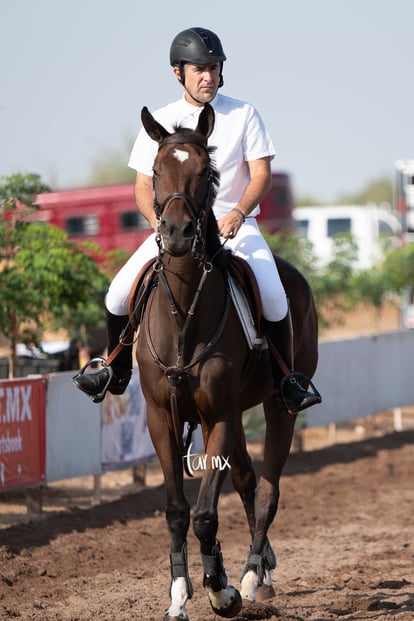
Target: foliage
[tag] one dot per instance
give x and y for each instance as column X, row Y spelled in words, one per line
column 329, row 282
column 113, row 260
column 293, row 248
column 399, row 268
column 333, row 281
column 46, row 280
column 20, row 190
column 337, row 287
column 375, row 285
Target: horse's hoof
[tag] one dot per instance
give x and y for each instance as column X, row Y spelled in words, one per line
column 264, row 592
column 232, row 610
column 183, row 616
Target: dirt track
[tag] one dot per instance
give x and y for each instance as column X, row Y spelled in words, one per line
column 343, row 537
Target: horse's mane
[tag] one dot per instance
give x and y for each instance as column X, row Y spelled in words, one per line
column 213, row 244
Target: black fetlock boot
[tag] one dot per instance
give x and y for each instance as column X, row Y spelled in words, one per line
column 294, row 397
column 115, row 377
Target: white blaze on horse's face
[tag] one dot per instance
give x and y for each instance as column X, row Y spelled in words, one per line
column 181, row 155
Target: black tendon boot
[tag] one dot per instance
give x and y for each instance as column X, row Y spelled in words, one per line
column 294, row 397
column 114, row 378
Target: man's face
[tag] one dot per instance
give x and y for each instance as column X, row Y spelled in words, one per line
column 201, row 82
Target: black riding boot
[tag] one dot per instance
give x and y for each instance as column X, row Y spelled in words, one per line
column 95, row 384
column 294, row 397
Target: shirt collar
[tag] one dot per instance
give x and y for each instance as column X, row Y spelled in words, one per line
column 194, row 108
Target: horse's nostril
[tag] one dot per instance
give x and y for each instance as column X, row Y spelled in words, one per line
column 189, row 230
column 166, row 228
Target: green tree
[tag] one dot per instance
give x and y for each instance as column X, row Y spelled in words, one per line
column 390, row 279
column 337, row 287
column 328, row 282
column 398, row 269
column 20, row 190
column 46, row 281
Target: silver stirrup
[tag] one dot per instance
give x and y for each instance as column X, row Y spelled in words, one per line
column 99, row 397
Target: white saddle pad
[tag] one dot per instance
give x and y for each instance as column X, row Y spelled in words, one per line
column 245, row 316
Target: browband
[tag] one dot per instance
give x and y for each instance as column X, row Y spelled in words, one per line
column 182, row 140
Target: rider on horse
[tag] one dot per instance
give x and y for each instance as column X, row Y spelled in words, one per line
column 243, row 154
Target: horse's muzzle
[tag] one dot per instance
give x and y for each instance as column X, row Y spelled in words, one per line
column 177, row 239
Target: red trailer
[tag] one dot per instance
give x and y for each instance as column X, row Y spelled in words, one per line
column 108, row 216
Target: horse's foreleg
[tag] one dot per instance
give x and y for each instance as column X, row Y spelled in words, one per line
column 178, row 519
column 181, row 589
column 257, row 569
column 243, row 475
column 261, row 560
column 225, row 600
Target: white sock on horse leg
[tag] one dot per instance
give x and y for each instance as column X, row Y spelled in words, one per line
column 249, row 585
column 179, row 597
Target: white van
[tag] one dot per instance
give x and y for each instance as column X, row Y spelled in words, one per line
column 367, row 224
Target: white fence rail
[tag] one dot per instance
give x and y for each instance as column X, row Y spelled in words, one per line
column 85, row 438
column 73, row 431
column 364, row 376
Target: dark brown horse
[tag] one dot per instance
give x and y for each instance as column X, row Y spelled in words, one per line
column 193, row 357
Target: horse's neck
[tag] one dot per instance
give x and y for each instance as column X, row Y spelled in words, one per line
column 184, row 276
column 183, row 318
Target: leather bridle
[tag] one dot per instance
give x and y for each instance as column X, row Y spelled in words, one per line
column 197, row 215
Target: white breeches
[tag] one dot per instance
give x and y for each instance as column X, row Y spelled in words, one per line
column 249, row 244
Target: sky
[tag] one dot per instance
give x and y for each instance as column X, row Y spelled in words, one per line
column 332, row 80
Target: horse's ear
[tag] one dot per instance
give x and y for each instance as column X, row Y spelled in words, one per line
column 206, row 121
column 152, row 127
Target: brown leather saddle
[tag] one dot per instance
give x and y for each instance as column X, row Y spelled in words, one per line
column 238, row 269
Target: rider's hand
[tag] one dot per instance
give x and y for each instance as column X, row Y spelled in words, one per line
column 230, row 224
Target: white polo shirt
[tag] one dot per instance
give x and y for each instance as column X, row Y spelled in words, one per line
column 239, row 135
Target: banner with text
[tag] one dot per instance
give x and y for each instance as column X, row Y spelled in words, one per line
column 22, row 432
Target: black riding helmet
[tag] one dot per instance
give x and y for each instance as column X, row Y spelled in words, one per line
column 197, row 46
